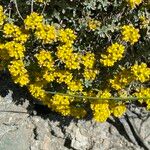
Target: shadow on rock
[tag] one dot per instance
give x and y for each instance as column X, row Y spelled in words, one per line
column 13, row 92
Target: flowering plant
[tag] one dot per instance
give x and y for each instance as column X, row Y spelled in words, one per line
column 75, row 61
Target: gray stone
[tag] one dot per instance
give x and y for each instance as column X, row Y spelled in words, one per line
column 79, row 141
column 20, row 131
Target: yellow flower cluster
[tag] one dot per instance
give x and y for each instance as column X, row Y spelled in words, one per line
column 134, row 3
column 37, row 91
column 45, row 59
column 12, row 31
column 2, row 16
column 73, row 62
column 121, row 79
column 66, row 55
column 141, row 72
column 66, row 36
column 60, row 104
column 101, row 109
column 143, row 92
column 75, row 86
column 88, row 60
column 113, row 54
column 3, row 53
column 63, row 76
column 18, row 72
column 126, row 76
column 46, row 33
column 118, row 110
column 33, row 21
column 144, row 22
column 66, row 52
column 15, row 50
column 130, row 34
column 90, row 74
column 93, row 24
column 58, row 76
column 49, row 76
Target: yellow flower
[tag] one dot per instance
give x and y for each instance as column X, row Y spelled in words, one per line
column 100, row 108
column 2, row 16
column 15, row 50
column 73, row 62
column 75, row 86
column 49, row 76
column 141, row 72
column 118, row 110
column 18, row 72
column 46, row 33
column 134, row 3
column 88, row 60
column 93, row 24
column 22, row 38
column 113, row 54
column 33, row 21
column 101, row 111
column 45, row 59
column 90, row 74
column 104, row 94
column 121, row 79
column 63, row 76
column 67, row 36
column 22, row 80
column 3, row 53
column 11, row 30
column 130, row 34
column 143, row 92
column 37, row 91
column 144, row 22
column 64, row 52
column 60, row 104
column 66, row 55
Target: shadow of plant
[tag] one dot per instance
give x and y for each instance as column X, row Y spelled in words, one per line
column 35, row 108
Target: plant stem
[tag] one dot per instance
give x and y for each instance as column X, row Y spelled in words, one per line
column 98, row 98
column 16, row 5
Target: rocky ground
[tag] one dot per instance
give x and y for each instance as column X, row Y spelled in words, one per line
column 25, row 125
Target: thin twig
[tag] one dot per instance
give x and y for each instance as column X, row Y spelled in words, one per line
column 16, row 5
column 44, row 8
column 32, row 5
column 9, row 12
